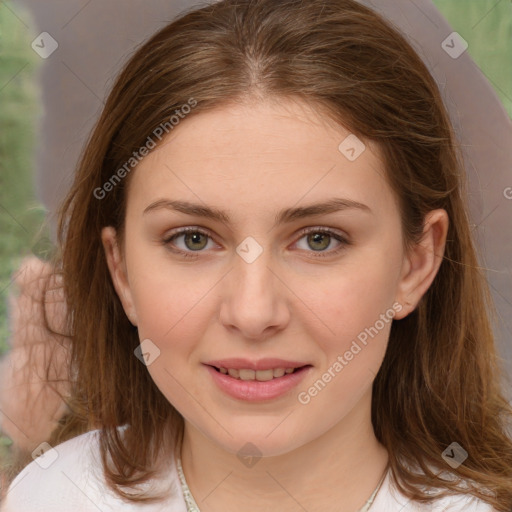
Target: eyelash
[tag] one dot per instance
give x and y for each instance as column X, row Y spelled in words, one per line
column 320, row 254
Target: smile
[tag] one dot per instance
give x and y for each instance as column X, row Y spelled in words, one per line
column 256, row 385
column 259, row 375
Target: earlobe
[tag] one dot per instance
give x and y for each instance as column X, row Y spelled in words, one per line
column 117, row 271
column 422, row 263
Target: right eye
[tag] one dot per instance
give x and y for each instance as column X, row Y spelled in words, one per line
column 193, row 241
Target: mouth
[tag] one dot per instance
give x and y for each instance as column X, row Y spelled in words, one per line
column 275, row 380
column 247, row 374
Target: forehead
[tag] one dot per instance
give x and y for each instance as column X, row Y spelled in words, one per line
column 257, row 157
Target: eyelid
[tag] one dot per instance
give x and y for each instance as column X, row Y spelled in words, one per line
column 324, row 229
column 188, row 229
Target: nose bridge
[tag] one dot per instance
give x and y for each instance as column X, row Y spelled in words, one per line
column 254, row 303
column 252, row 273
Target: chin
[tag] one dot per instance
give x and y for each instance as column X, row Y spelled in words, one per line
column 261, row 439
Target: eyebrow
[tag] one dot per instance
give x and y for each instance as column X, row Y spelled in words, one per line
column 287, row 215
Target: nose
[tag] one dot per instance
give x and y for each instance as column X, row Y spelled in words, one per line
column 254, row 298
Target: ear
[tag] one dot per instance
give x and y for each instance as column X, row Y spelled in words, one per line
column 117, row 269
column 420, row 266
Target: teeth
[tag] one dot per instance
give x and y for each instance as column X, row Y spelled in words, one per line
column 234, row 373
column 247, row 374
column 260, row 375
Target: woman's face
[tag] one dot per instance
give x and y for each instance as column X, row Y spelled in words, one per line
column 249, row 283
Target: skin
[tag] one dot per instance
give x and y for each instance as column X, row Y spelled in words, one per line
column 252, row 160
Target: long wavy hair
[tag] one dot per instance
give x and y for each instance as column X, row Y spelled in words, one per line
column 440, row 380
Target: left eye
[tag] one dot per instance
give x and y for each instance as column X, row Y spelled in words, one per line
column 195, row 240
column 320, row 239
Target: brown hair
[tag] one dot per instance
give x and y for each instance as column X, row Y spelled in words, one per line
column 440, row 379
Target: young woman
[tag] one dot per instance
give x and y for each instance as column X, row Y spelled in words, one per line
column 273, row 295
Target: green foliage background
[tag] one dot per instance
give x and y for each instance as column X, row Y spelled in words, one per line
column 21, row 216
column 487, row 27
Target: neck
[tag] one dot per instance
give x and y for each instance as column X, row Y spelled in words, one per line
column 337, row 471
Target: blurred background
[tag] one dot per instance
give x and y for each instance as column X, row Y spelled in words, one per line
column 58, row 59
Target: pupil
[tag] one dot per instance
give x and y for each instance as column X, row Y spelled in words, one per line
column 195, row 239
column 317, row 237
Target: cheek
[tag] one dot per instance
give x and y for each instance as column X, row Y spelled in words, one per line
column 171, row 313
column 168, row 311
column 353, row 297
column 354, row 304
column 169, row 300
column 356, row 313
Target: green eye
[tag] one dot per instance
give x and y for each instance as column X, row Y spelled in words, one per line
column 319, row 239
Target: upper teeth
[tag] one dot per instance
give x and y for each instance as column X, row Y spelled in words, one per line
column 261, row 375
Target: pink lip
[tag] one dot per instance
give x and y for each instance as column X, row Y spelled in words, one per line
column 263, row 364
column 253, row 390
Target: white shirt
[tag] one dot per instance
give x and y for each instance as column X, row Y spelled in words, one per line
column 68, row 478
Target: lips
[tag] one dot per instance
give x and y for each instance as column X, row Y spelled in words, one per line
column 252, row 389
